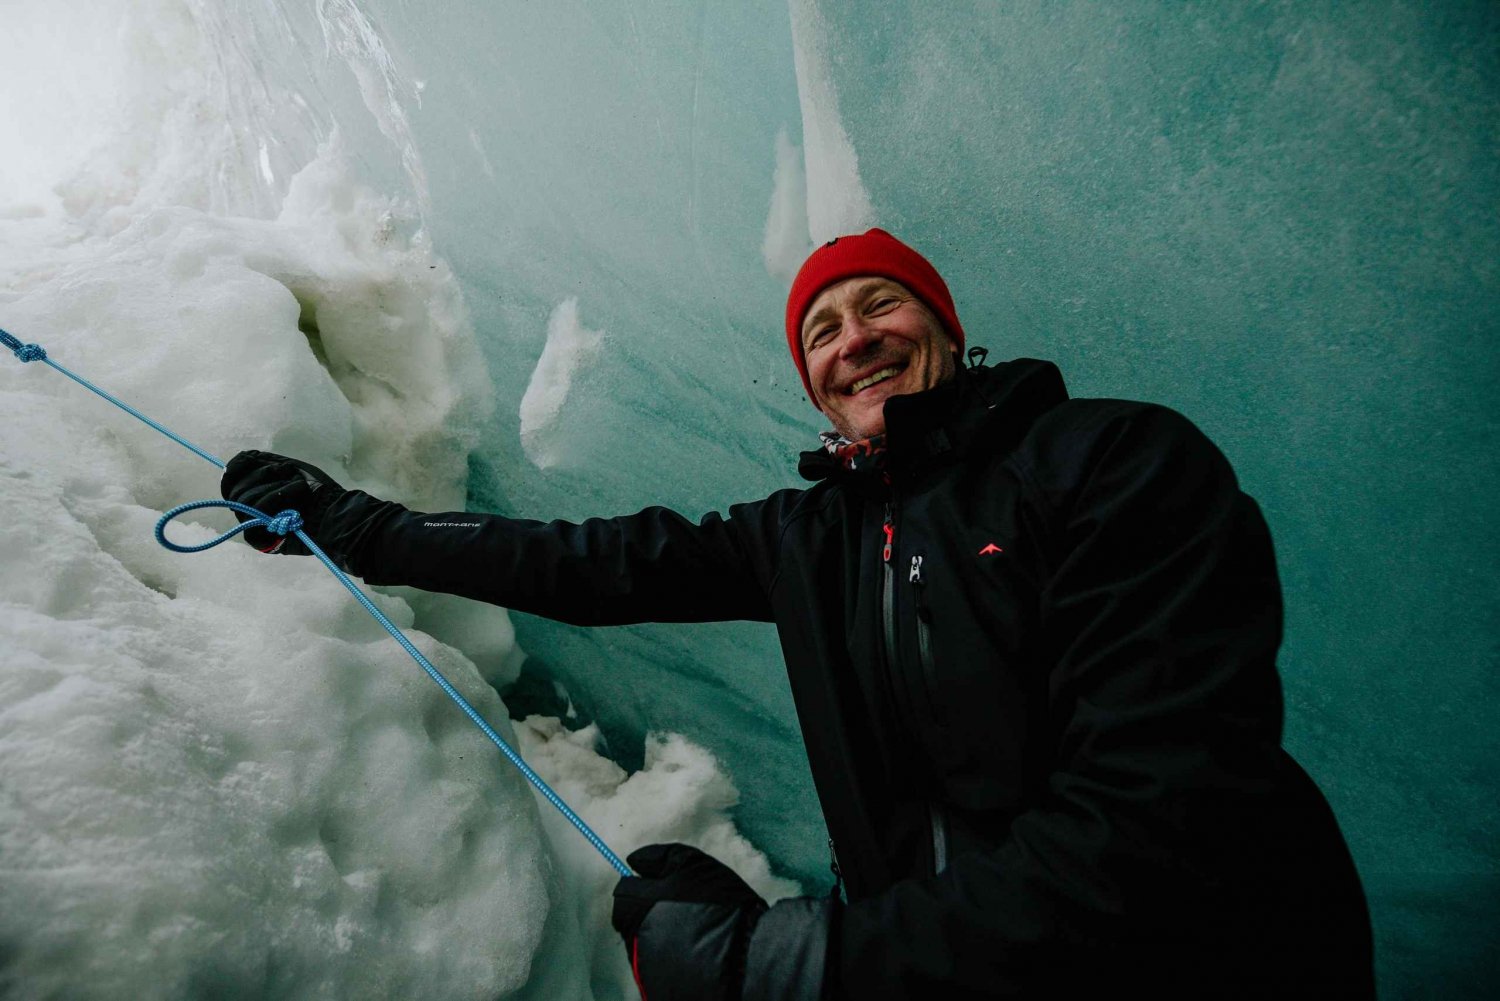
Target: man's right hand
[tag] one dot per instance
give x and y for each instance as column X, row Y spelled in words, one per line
column 273, row 483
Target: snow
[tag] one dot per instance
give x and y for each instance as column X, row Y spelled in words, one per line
column 218, row 772
column 680, row 794
column 837, row 201
column 787, row 243
column 570, row 349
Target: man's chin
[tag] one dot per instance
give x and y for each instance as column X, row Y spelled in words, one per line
column 865, row 424
column 869, row 412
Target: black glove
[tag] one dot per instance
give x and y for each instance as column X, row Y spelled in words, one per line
column 273, row 483
column 694, row 931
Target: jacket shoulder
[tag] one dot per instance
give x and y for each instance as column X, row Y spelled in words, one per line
column 1071, row 439
column 770, row 517
column 786, row 505
column 1083, row 416
column 765, row 524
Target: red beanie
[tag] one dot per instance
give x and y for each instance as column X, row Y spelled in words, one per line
column 875, row 252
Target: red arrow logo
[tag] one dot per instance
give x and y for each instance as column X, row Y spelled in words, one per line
column 990, row 550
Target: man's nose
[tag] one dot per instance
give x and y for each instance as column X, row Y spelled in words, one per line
column 859, row 336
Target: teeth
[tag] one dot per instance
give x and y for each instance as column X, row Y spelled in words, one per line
column 871, row 380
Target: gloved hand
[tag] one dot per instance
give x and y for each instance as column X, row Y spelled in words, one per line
column 273, row 483
column 694, row 931
column 686, row 921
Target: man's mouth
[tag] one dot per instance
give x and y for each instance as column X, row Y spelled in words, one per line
column 890, row 372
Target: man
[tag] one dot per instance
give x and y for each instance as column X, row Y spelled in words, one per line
column 1032, row 645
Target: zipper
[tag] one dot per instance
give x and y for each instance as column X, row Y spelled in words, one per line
column 924, row 651
column 889, row 528
column 939, row 839
column 892, row 654
column 918, row 581
column 888, row 596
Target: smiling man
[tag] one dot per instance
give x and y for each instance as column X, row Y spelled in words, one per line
column 1032, row 643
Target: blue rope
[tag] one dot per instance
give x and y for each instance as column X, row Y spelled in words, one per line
column 289, row 522
column 34, row 352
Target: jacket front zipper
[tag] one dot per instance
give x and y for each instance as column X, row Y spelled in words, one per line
column 939, row 838
column 888, row 597
column 892, row 653
column 924, row 638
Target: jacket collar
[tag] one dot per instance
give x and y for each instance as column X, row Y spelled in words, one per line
column 984, row 408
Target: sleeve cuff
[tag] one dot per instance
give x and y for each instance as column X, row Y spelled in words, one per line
column 788, row 952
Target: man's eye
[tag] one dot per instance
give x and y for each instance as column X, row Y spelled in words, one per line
column 882, row 303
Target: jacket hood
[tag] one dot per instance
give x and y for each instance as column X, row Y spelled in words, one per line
column 984, row 407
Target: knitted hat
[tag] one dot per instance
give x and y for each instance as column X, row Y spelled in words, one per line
column 874, row 252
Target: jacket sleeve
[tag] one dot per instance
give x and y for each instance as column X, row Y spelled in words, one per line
column 654, row 566
column 1159, row 624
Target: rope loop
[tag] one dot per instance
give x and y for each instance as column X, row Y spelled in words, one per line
column 285, row 523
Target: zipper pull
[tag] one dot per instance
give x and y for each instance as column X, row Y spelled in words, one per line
column 838, row 876
column 890, row 532
column 915, row 578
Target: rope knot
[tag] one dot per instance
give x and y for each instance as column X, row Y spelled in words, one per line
column 285, row 523
column 25, row 352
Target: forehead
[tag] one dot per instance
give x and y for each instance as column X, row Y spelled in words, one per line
column 828, row 300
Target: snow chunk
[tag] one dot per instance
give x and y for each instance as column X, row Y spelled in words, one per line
column 837, row 201
column 680, row 795
column 570, row 349
column 786, row 244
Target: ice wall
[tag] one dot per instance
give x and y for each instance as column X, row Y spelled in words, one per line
column 1279, row 219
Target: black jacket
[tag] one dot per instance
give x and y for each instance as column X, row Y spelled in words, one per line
column 1042, row 711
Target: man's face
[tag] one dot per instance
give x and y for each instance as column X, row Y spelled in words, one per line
column 867, row 339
